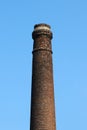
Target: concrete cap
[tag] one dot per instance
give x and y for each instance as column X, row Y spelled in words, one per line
column 42, row 26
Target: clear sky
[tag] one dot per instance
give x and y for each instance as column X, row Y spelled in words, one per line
column 68, row 19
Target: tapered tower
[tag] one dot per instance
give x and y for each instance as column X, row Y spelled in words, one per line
column 42, row 97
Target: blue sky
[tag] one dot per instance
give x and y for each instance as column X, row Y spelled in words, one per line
column 68, row 20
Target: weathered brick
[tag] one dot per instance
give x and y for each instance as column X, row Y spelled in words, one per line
column 42, row 97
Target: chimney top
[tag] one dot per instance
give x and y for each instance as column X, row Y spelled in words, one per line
column 42, row 29
column 42, row 26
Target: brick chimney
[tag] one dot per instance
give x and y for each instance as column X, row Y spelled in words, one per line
column 42, row 97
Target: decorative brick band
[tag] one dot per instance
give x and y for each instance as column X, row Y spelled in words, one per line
column 40, row 32
column 42, row 49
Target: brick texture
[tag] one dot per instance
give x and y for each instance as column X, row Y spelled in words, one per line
column 42, row 96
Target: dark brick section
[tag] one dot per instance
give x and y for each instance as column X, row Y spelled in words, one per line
column 42, row 98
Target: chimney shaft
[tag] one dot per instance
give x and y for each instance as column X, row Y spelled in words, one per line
column 42, row 97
